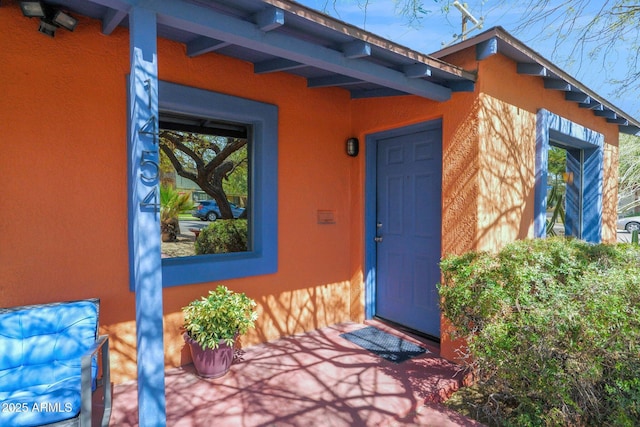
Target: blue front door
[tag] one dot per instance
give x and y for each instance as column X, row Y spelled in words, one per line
column 408, row 227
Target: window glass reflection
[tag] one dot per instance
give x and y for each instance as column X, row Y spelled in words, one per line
column 204, row 190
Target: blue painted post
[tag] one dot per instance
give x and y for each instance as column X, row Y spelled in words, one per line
column 146, row 268
column 542, row 160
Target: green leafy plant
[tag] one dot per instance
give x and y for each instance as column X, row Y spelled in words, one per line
column 223, row 236
column 172, row 204
column 552, row 331
column 220, row 316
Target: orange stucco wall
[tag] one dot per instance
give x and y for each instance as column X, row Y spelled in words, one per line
column 64, row 192
column 508, row 117
column 508, row 105
column 489, row 141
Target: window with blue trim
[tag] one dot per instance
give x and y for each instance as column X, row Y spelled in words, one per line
column 248, row 131
column 584, row 176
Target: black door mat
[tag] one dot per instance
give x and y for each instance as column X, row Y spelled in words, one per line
column 387, row 346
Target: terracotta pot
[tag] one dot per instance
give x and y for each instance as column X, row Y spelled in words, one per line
column 210, row 363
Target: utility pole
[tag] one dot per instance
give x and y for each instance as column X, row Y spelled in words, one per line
column 466, row 17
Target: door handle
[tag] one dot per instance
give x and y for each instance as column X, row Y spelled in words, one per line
column 377, row 239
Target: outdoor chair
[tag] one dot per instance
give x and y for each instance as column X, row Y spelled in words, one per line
column 49, row 370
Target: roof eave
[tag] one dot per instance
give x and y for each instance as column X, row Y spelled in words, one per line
column 366, row 36
column 484, row 48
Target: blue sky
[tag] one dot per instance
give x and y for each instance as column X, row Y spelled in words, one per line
column 436, row 28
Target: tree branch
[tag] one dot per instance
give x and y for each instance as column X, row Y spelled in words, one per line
column 180, row 170
column 221, row 157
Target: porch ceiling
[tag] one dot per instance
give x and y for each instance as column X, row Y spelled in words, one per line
column 529, row 62
column 281, row 35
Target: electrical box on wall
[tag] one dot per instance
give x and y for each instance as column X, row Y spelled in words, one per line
column 326, row 217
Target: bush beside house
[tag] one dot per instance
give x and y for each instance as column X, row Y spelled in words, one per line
column 552, row 328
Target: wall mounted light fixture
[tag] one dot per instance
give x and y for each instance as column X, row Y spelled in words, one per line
column 32, row 9
column 64, row 20
column 47, row 28
column 353, row 147
column 50, row 18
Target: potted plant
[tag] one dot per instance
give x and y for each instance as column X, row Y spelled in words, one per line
column 172, row 203
column 212, row 324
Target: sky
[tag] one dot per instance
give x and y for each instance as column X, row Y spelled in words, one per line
column 437, row 29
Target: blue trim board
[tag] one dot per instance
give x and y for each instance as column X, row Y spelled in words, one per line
column 371, row 204
column 144, row 221
column 541, row 174
column 585, row 158
column 263, row 119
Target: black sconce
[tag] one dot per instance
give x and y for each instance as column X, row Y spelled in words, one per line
column 353, row 147
column 50, row 18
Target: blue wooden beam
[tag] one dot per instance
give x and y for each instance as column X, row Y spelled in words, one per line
column 202, row 45
column 122, row 5
column 334, row 80
column 556, row 84
column 416, row 71
column 619, row 121
column 269, row 19
column 196, row 18
column 532, row 69
column 486, row 48
column 462, row 85
column 112, row 19
column 592, row 104
column 275, row 65
column 144, row 218
column 356, row 49
column 629, row 130
column 605, row 113
column 577, row 97
column 375, row 93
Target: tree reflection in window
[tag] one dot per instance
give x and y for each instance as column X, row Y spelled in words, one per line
column 208, row 160
column 556, row 191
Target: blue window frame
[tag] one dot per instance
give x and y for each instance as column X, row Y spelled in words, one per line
column 585, row 159
column 262, row 258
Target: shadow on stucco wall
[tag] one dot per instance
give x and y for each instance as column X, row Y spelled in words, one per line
column 283, row 314
column 489, row 182
column 460, row 187
column 506, row 174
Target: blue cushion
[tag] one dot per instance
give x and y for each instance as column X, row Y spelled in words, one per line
column 40, row 351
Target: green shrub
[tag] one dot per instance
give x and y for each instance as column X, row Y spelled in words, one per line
column 223, row 236
column 552, row 328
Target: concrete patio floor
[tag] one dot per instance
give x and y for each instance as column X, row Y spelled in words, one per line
column 313, row 379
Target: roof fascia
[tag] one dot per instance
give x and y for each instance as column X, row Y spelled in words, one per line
column 486, row 44
column 371, row 38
